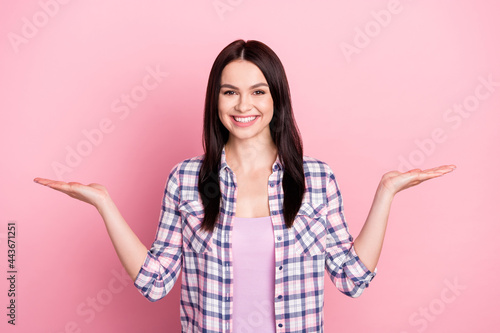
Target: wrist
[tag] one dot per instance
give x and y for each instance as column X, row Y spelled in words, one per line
column 384, row 193
column 104, row 203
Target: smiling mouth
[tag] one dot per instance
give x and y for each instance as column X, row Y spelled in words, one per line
column 244, row 119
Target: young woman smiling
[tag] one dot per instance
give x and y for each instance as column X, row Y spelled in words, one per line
column 252, row 223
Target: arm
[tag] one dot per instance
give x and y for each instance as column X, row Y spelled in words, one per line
column 164, row 260
column 130, row 250
column 352, row 264
column 368, row 244
column 155, row 271
column 346, row 270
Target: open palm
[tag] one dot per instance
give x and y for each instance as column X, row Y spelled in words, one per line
column 91, row 193
column 395, row 181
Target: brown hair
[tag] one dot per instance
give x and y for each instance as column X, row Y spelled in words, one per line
column 284, row 131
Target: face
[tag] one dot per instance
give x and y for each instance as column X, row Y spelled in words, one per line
column 245, row 102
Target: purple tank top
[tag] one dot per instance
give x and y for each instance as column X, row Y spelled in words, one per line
column 254, row 266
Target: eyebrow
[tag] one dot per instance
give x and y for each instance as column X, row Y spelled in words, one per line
column 230, row 86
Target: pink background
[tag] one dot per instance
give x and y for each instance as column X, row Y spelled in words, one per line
column 372, row 85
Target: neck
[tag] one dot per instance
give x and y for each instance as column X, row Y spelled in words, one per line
column 249, row 155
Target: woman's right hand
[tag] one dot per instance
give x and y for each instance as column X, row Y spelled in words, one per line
column 131, row 251
column 94, row 194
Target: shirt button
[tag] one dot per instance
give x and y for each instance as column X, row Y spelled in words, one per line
column 279, row 238
column 280, row 268
column 280, row 325
column 272, row 185
column 280, row 297
column 275, row 212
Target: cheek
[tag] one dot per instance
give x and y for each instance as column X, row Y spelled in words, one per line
column 222, row 118
column 223, row 106
column 267, row 105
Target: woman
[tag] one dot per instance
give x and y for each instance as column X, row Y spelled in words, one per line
column 252, row 223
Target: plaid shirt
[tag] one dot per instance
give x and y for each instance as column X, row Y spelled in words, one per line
column 319, row 240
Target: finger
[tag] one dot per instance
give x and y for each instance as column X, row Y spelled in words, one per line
column 436, row 172
column 432, row 174
column 42, row 181
column 46, row 182
column 446, row 168
column 56, row 185
column 440, row 172
column 64, row 188
column 441, row 168
column 426, row 175
column 51, row 183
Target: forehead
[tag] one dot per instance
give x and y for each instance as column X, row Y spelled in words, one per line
column 242, row 72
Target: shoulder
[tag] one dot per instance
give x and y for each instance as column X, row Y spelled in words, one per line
column 187, row 169
column 319, row 179
column 182, row 181
column 314, row 167
column 189, row 165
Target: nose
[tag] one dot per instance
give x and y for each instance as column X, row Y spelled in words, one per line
column 244, row 103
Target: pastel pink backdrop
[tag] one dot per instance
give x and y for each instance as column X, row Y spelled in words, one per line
column 371, row 82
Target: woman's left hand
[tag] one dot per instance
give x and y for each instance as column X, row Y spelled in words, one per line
column 395, row 181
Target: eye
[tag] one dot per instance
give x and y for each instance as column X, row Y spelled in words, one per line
column 260, row 92
column 229, row 92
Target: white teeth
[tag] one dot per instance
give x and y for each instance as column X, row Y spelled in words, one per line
column 245, row 119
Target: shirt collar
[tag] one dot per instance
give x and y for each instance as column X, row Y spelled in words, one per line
column 277, row 165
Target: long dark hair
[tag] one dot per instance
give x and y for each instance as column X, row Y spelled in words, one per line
column 284, row 131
